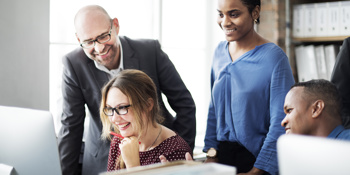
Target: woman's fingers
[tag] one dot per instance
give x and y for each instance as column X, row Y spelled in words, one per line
column 188, row 157
column 163, row 159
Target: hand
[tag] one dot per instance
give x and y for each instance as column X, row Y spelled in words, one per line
column 253, row 171
column 129, row 148
column 188, row 157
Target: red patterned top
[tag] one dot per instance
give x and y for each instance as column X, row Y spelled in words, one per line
column 173, row 148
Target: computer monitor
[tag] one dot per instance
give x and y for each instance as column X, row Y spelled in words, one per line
column 28, row 142
column 305, row 155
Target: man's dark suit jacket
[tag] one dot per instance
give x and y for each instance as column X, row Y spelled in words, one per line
column 81, row 85
column 341, row 78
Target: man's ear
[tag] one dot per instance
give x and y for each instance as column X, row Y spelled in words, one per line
column 76, row 35
column 317, row 108
column 116, row 25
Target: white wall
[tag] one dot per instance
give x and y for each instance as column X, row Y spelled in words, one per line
column 24, row 53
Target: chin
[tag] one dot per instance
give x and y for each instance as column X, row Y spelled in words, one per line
column 230, row 38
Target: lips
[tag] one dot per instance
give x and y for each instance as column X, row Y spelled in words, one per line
column 229, row 31
column 104, row 54
column 124, row 126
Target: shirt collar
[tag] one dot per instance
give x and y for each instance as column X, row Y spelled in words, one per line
column 336, row 131
column 113, row 72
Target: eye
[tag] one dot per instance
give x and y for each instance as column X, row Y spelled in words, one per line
column 103, row 37
column 221, row 15
column 109, row 108
column 289, row 110
column 234, row 14
column 88, row 42
column 121, row 107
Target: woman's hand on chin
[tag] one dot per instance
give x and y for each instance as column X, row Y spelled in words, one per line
column 129, row 148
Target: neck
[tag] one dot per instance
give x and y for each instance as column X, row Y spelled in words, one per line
column 248, row 42
column 151, row 137
column 326, row 126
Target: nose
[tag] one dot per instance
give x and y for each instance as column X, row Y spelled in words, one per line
column 115, row 117
column 226, row 21
column 99, row 47
column 284, row 122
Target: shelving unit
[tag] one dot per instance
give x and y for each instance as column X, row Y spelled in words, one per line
column 320, row 39
column 292, row 42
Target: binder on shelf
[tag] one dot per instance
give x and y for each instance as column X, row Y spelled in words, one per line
column 298, row 21
column 321, row 19
column 306, row 63
column 309, row 52
column 331, row 52
column 299, row 62
column 333, row 18
column 309, row 20
column 344, row 18
column 321, row 62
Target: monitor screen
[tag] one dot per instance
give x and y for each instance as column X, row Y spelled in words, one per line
column 28, row 141
column 305, row 155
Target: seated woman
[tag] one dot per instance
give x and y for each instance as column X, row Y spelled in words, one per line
column 129, row 107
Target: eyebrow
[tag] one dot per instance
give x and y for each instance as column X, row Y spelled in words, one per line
column 120, row 104
column 230, row 11
column 90, row 39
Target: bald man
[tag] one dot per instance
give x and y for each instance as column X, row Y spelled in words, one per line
column 313, row 108
column 102, row 55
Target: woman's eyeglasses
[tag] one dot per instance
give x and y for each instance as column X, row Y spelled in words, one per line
column 120, row 110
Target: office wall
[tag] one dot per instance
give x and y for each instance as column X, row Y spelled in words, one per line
column 24, row 53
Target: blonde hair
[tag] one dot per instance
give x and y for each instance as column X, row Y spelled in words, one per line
column 139, row 89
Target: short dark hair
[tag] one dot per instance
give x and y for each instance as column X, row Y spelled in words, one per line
column 323, row 90
column 251, row 4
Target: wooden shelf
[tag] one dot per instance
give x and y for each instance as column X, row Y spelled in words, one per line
column 321, row 39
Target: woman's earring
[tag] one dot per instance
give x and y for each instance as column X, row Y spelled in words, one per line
column 256, row 21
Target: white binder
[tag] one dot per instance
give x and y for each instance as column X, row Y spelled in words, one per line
column 298, row 21
column 321, row 20
column 306, row 63
column 331, row 52
column 344, row 18
column 321, row 62
column 333, row 18
column 310, row 20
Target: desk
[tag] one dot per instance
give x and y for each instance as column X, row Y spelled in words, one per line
column 178, row 168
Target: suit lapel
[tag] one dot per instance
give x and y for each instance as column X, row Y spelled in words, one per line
column 99, row 76
column 130, row 57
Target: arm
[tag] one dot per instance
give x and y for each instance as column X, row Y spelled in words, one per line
column 281, row 81
column 73, row 115
column 210, row 138
column 341, row 78
column 178, row 96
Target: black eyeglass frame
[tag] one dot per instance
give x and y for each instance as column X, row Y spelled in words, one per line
column 96, row 40
column 116, row 109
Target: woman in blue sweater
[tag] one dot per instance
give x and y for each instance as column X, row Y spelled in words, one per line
column 250, row 78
